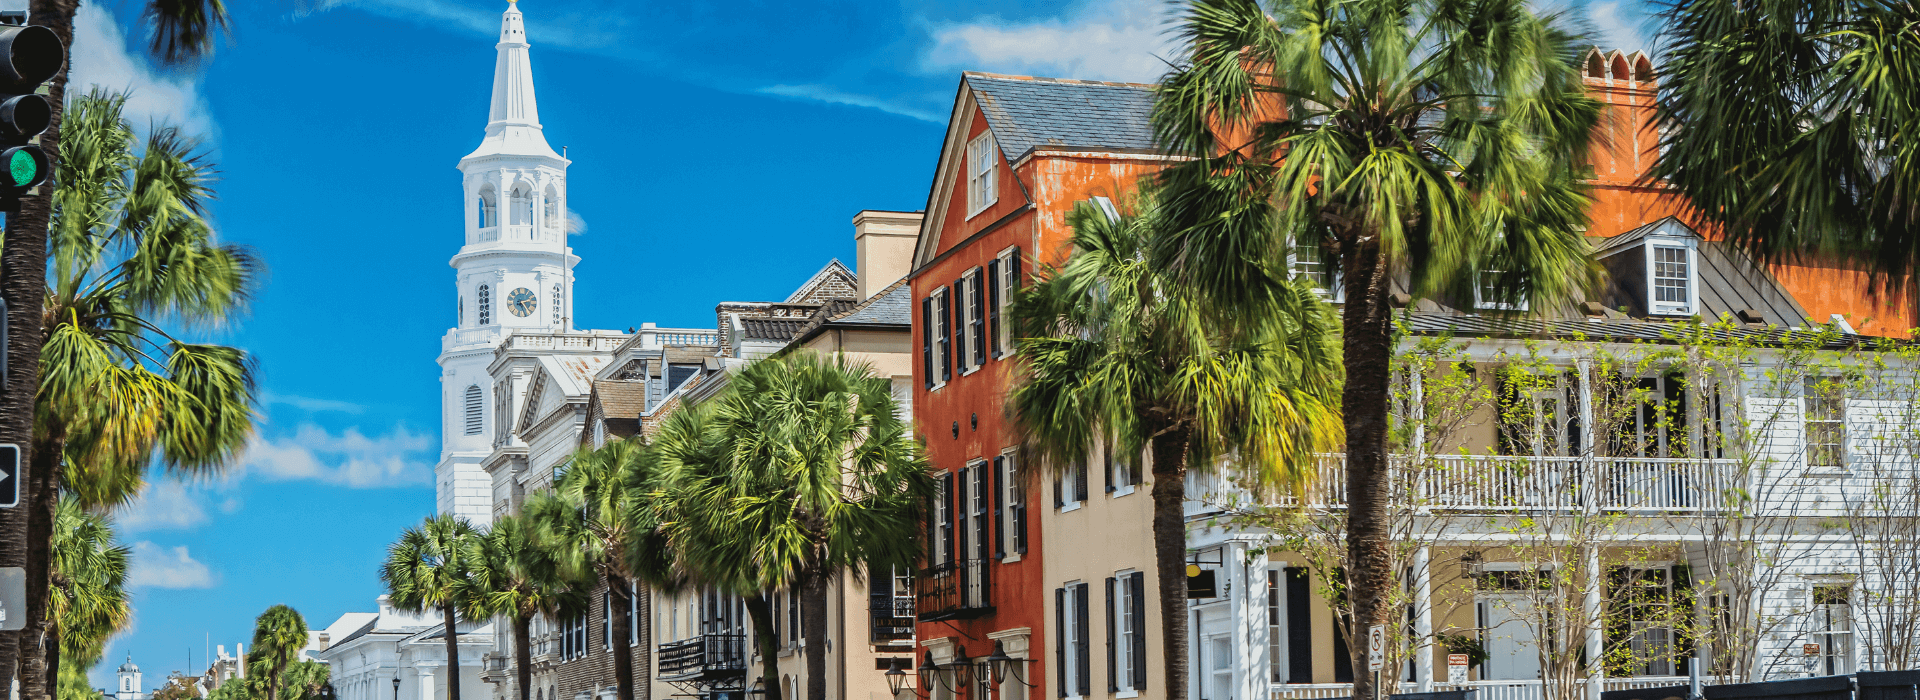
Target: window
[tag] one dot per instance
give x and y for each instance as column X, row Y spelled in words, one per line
column 971, row 291
column 978, row 544
column 1826, row 419
column 551, row 213
column 557, row 304
column 1831, row 627
column 1310, row 263
column 1070, row 646
column 891, row 607
column 1070, row 486
column 1013, row 538
column 982, row 157
column 486, row 305
column 1003, row 279
column 936, row 350
column 942, row 530
column 475, row 409
column 522, row 203
column 1123, row 471
column 1126, row 632
column 1670, row 272
column 1487, row 296
column 573, row 637
column 793, row 619
column 487, row 217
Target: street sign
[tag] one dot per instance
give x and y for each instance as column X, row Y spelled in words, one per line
column 13, row 598
column 1810, row 649
column 1457, row 668
column 1376, row 647
column 9, row 476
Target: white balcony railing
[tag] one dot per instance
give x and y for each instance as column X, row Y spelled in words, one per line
column 1488, row 690
column 1463, row 482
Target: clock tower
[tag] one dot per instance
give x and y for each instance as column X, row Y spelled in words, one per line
column 513, row 273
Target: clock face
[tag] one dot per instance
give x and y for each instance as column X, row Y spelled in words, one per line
column 520, row 301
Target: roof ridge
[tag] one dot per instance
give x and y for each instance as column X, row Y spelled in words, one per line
column 1046, row 79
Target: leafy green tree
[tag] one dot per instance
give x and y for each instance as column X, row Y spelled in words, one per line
column 177, row 687
column 1119, row 355
column 1438, row 145
column 516, row 577
column 1790, row 126
column 596, row 524
column 89, row 596
column 278, row 636
column 131, row 250
column 431, row 566
column 801, row 469
column 302, row 680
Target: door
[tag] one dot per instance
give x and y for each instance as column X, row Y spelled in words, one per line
column 1512, row 654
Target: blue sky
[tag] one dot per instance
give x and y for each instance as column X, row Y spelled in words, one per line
column 720, row 151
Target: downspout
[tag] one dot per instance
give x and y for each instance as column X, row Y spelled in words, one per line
column 846, row 647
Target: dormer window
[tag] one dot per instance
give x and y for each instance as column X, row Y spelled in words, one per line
column 981, row 159
column 1671, row 278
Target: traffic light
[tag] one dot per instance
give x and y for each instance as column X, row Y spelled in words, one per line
column 29, row 56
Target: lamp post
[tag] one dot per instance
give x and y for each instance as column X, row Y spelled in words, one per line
column 396, row 688
column 1002, row 666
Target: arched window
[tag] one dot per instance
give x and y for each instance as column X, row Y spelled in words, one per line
column 486, row 305
column 557, row 303
column 1619, row 66
column 1596, row 68
column 552, row 212
column 488, row 217
column 1643, row 70
column 522, row 203
column 476, row 408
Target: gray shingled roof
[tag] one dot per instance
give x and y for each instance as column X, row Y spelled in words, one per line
column 1729, row 280
column 773, row 328
column 1029, row 112
column 892, row 306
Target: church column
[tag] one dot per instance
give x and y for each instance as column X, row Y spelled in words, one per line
column 425, row 673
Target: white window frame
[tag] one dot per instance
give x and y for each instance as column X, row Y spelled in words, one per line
column 1481, row 301
column 942, row 506
column 972, row 286
column 1070, row 497
column 1837, row 642
column 1010, row 493
column 941, row 323
column 1122, row 477
column 1668, row 308
column 1122, row 630
column 982, row 170
column 1337, row 293
column 1004, row 285
column 1070, row 647
column 1807, row 422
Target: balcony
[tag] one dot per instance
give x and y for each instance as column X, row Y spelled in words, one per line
column 494, row 668
column 702, row 658
column 1612, row 484
column 1488, row 690
column 956, row 590
column 892, row 619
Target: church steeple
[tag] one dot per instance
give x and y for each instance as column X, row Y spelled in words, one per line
column 513, row 117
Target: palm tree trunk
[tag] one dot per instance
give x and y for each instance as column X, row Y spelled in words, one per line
column 453, row 653
column 1369, row 358
column 523, row 654
column 760, row 611
column 23, row 284
column 813, row 625
column 620, row 600
column 1170, row 553
column 37, row 680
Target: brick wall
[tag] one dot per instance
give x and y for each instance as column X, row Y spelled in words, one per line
column 593, row 673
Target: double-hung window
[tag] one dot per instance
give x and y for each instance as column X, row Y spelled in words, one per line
column 1003, row 280
column 1012, row 522
column 1671, row 271
column 941, row 548
column 971, row 294
column 1070, row 646
column 936, row 350
column 1070, row 486
column 1831, row 628
column 983, row 160
column 1309, row 262
column 1122, row 470
column 1826, row 423
column 1126, row 633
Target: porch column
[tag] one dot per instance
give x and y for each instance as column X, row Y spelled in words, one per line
column 1423, row 616
column 425, row 673
column 1596, row 673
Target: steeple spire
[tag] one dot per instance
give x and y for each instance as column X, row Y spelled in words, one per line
column 513, row 119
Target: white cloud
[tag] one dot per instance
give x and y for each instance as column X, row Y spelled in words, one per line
column 154, row 566
column 1618, row 28
column 166, row 504
column 1100, row 40
column 102, row 57
column 310, row 404
column 824, row 93
column 350, row 458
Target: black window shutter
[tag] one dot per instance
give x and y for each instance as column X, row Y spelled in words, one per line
column 1084, row 665
column 1014, row 261
column 1137, row 585
column 961, row 361
column 999, row 506
column 1299, row 635
column 1113, row 634
column 926, row 338
column 979, row 330
column 1108, row 468
column 944, row 312
column 1059, row 495
column 1060, row 640
column 993, row 306
column 1080, row 481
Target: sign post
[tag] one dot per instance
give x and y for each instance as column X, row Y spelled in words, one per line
column 1376, row 655
column 1457, row 668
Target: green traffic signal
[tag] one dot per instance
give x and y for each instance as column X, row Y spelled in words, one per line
column 26, row 168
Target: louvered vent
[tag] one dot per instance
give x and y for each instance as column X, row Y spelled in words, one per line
column 473, row 410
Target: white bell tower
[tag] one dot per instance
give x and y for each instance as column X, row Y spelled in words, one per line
column 514, row 272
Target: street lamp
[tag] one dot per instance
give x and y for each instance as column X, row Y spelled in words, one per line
column 896, row 677
column 396, row 688
column 1001, row 666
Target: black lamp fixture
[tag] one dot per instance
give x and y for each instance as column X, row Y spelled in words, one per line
column 897, row 676
column 1003, row 666
column 929, row 673
column 962, row 669
column 396, row 688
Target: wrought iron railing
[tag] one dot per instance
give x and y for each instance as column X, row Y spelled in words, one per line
column 954, row 590
column 705, row 655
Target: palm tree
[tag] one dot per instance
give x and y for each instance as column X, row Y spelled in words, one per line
column 183, row 31
column 431, row 566
column 516, row 577
column 1120, row 355
column 800, row 470
column 595, row 523
column 1439, row 145
column 1789, row 126
column 278, row 636
column 89, row 595
column 131, row 249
